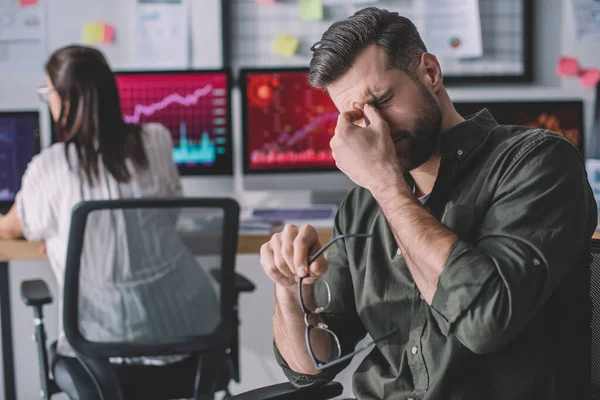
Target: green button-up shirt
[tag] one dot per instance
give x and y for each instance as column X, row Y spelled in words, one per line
column 511, row 315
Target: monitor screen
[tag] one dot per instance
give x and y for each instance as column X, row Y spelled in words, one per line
column 19, row 142
column 193, row 105
column 564, row 117
column 287, row 124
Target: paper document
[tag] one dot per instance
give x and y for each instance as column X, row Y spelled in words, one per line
column 22, row 35
column 452, row 28
column 161, row 37
column 586, row 18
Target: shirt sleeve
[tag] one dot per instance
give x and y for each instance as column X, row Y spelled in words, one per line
column 537, row 230
column 340, row 316
column 34, row 201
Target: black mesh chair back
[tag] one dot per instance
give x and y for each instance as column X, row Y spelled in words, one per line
column 595, row 295
column 138, row 288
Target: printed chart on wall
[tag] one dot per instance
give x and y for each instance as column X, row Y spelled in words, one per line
column 192, row 106
column 22, row 34
column 289, row 123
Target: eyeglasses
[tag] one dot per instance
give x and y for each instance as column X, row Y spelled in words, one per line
column 43, row 93
column 318, row 333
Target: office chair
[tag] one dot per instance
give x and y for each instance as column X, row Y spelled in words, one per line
column 595, row 295
column 208, row 228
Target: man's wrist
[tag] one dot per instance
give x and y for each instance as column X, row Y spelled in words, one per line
column 391, row 185
column 287, row 298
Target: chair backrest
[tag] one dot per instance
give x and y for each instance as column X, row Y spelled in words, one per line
column 595, row 296
column 137, row 280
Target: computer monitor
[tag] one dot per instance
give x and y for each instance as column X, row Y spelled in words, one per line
column 286, row 129
column 19, row 142
column 561, row 116
column 194, row 105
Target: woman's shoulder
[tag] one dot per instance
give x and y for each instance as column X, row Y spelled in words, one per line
column 50, row 157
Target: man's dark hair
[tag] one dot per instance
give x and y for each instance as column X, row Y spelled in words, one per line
column 337, row 50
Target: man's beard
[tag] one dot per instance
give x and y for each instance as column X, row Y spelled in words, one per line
column 422, row 141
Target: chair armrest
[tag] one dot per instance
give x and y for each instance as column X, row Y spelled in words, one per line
column 242, row 284
column 35, row 293
column 285, row 391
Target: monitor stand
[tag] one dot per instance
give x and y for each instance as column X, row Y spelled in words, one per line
column 327, row 197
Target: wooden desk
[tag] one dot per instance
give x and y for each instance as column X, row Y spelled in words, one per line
column 20, row 250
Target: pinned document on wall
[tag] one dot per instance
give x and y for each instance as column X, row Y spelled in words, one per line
column 452, row 28
column 161, row 34
column 586, row 18
column 22, row 35
column 286, row 45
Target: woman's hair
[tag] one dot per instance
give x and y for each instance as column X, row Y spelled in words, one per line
column 90, row 114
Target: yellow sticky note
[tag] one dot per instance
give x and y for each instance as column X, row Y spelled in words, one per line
column 285, row 45
column 311, row 10
column 93, row 32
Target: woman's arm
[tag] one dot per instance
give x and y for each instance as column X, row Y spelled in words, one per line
column 10, row 225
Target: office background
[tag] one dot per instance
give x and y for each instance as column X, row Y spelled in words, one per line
column 553, row 36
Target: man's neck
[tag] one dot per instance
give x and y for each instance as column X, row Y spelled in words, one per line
column 426, row 174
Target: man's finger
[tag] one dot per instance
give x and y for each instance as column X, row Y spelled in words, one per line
column 349, row 117
column 306, row 239
column 372, row 115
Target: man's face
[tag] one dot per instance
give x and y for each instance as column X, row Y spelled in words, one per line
column 411, row 111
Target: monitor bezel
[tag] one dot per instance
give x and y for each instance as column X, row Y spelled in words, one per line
column 243, row 73
column 554, row 102
column 7, row 204
column 198, row 170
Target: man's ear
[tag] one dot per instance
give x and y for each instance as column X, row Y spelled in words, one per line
column 430, row 72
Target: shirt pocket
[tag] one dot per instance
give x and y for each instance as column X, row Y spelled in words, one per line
column 464, row 220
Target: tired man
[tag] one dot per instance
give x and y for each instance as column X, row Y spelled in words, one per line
column 472, row 273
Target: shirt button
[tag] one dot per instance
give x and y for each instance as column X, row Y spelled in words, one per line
column 459, row 152
column 536, row 262
column 421, row 297
column 399, row 252
column 414, row 350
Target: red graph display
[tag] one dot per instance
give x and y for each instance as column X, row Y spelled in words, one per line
column 193, row 106
column 564, row 117
column 288, row 123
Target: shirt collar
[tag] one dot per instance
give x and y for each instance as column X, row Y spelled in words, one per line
column 462, row 138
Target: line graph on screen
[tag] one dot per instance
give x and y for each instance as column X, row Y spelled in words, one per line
column 193, row 107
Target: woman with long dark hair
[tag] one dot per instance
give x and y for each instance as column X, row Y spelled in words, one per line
column 102, row 157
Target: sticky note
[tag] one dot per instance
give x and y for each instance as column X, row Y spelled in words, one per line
column 285, row 45
column 568, row 66
column 265, row 1
column 93, row 32
column 311, row 10
column 109, row 34
column 590, row 77
column 27, row 3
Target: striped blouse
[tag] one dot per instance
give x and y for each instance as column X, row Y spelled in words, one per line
column 137, row 284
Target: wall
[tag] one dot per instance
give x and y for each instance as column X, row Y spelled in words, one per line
column 553, row 35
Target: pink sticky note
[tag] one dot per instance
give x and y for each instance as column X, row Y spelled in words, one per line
column 109, row 34
column 568, row 66
column 27, row 3
column 590, row 77
column 266, row 1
